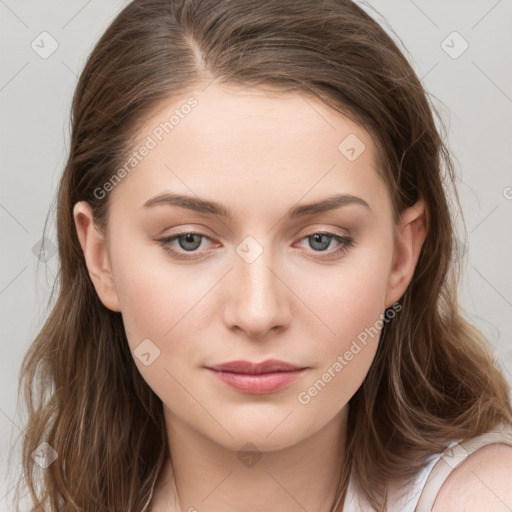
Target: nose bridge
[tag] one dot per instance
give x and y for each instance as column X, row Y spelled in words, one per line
column 259, row 302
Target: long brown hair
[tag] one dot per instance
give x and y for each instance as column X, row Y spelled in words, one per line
column 433, row 378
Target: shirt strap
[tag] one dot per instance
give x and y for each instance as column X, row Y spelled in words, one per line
column 454, row 455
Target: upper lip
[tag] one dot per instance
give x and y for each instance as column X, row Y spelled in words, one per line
column 268, row 366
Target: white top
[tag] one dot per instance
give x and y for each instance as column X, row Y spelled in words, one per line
column 421, row 494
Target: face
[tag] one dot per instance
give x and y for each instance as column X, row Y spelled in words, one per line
column 262, row 278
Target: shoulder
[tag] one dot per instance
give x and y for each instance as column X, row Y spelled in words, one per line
column 481, row 482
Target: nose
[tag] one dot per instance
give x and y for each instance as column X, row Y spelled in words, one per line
column 258, row 297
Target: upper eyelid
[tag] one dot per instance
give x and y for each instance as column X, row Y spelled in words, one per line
column 310, row 231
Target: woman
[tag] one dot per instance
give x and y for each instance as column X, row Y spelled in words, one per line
column 257, row 303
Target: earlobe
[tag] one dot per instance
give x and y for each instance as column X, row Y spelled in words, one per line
column 410, row 235
column 96, row 256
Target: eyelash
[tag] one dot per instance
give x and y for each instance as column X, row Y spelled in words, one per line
column 346, row 243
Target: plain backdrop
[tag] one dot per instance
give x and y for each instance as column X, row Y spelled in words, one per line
column 461, row 49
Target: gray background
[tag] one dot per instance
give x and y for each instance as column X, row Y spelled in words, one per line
column 473, row 89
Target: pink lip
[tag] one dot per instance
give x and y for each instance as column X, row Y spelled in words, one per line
column 257, row 378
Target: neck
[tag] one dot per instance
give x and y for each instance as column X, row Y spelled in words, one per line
column 207, row 477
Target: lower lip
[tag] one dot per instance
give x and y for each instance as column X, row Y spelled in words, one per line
column 258, row 384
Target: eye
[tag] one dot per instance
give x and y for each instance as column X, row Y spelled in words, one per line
column 321, row 241
column 189, row 242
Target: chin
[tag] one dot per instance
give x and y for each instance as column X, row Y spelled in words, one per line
column 265, row 435
column 243, row 441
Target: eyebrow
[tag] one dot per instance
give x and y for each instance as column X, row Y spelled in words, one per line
column 213, row 208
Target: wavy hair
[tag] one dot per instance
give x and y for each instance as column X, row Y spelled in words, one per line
column 433, row 378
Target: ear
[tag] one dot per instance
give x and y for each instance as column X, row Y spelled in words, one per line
column 409, row 237
column 96, row 256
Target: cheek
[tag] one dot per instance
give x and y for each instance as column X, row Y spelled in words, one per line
column 351, row 305
column 142, row 299
column 153, row 293
column 353, row 298
column 158, row 315
column 352, row 308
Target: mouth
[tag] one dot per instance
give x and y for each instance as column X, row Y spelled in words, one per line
column 257, row 378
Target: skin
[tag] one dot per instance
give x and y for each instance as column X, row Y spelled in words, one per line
column 259, row 154
column 481, row 482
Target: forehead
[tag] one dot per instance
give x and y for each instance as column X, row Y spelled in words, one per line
column 240, row 141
